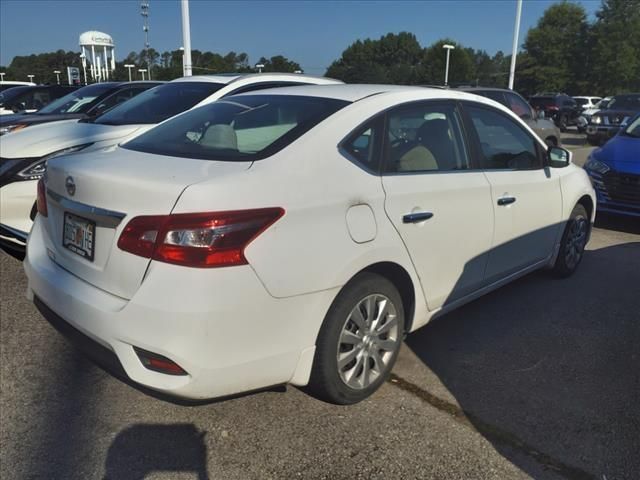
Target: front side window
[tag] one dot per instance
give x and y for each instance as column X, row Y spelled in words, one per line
column 518, row 106
column 160, row 103
column 240, row 128
column 425, row 138
column 505, row 145
column 633, row 130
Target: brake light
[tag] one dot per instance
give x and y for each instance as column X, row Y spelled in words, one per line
column 202, row 240
column 553, row 108
column 41, row 199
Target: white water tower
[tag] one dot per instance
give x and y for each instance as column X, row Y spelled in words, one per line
column 98, row 51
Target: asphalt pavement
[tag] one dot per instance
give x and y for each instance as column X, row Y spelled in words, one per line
column 540, row 379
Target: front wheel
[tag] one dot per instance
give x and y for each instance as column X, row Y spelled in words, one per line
column 359, row 341
column 574, row 241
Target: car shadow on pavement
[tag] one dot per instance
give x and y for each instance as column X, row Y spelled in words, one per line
column 141, row 450
column 545, row 369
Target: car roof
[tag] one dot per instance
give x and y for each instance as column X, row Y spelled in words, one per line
column 356, row 92
column 228, row 78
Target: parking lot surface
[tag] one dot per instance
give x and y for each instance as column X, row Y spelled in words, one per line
column 539, row 379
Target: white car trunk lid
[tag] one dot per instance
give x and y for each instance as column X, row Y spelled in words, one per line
column 110, row 188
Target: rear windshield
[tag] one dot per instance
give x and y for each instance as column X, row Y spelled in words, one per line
column 242, row 128
column 542, row 101
column 625, row 102
column 77, row 101
column 581, row 101
column 160, row 103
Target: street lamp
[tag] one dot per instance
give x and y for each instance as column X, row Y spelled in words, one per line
column 446, row 68
column 2, row 74
column 259, row 66
column 142, row 71
column 183, row 71
column 514, row 50
column 57, row 72
column 31, row 78
column 129, row 66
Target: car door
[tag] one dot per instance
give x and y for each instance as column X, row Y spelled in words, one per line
column 439, row 205
column 526, row 196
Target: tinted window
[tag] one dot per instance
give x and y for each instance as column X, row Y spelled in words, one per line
column 77, row 101
column 518, row 106
column 493, row 95
column 160, row 103
column 625, row 102
column 241, row 128
column 504, row 143
column 424, row 138
column 363, row 144
column 116, row 98
column 581, row 101
column 541, row 102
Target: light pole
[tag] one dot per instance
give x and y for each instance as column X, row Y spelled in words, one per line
column 142, row 71
column 129, row 66
column 186, row 38
column 259, row 66
column 182, row 50
column 446, row 68
column 2, row 74
column 57, row 72
column 31, row 78
column 514, row 51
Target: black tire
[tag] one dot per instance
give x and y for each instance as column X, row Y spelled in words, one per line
column 563, row 123
column 574, row 240
column 593, row 141
column 326, row 382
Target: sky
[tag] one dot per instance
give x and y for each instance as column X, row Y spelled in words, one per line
column 313, row 33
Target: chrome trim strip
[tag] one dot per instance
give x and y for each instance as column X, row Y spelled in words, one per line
column 102, row 217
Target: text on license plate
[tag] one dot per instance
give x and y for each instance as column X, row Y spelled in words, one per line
column 79, row 235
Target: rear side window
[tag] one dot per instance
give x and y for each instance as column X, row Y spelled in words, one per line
column 241, row 128
column 425, row 138
column 493, row 95
column 505, row 145
column 363, row 145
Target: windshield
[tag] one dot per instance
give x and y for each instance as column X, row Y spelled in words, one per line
column 581, row 101
column 633, row 130
column 625, row 102
column 242, row 128
column 10, row 94
column 77, row 101
column 160, row 103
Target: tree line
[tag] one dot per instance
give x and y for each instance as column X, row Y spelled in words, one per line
column 563, row 52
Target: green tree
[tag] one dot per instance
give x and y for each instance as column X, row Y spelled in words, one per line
column 279, row 63
column 615, row 47
column 461, row 65
column 393, row 58
column 556, row 49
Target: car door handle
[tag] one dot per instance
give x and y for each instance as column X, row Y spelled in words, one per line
column 416, row 217
column 506, row 200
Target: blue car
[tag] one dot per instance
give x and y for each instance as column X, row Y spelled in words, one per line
column 615, row 171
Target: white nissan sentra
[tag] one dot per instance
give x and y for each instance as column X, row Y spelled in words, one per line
column 296, row 235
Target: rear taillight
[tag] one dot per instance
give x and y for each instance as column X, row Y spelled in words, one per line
column 203, row 240
column 553, row 108
column 41, row 200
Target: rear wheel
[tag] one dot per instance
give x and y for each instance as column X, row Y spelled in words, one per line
column 359, row 341
column 574, row 240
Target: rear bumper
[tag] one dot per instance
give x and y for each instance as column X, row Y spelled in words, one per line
column 220, row 325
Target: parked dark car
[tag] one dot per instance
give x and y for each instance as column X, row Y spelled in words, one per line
column 615, row 171
column 543, row 127
column 559, row 107
column 31, row 99
column 607, row 122
column 86, row 102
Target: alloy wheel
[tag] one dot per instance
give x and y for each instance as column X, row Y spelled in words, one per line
column 576, row 241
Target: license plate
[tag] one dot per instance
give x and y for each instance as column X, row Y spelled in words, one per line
column 79, row 235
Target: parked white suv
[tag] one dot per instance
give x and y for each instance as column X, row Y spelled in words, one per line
column 296, row 235
column 24, row 154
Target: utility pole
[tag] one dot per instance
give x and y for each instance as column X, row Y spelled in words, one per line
column 514, row 50
column 186, row 39
column 144, row 11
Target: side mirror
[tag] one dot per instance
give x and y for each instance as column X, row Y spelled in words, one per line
column 558, row 157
